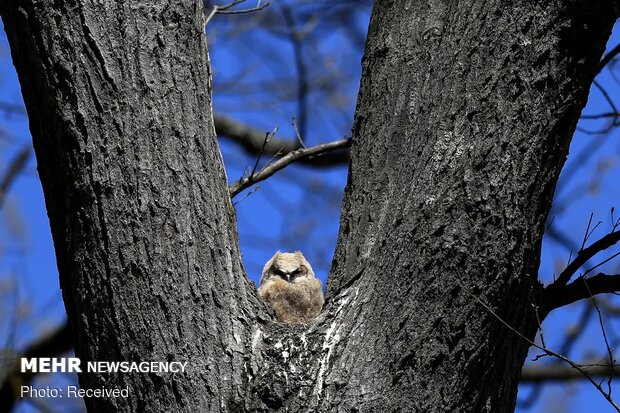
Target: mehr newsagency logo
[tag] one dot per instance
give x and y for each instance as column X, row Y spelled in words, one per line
column 74, row 365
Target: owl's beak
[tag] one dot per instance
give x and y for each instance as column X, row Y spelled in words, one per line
column 288, row 277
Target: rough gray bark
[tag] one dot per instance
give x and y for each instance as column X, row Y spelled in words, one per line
column 119, row 104
column 463, row 122
column 464, row 118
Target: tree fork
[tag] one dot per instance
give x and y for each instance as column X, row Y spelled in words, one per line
column 463, row 122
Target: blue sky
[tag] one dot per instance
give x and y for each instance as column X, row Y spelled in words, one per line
column 27, row 263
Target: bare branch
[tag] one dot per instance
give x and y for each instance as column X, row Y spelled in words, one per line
column 11, row 108
column 226, row 9
column 560, row 372
column 560, row 296
column 608, row 58
column 17, row 164
column 284, row 161
column 606, row 96
column 584, row 256
column 252, row 141
column 612, row 120
column 602, row 115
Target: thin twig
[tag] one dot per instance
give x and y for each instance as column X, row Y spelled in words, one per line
column 256, row 188
column 539, row 321
column 606, row 96
column 600, row 320
column 589, row 270
column 297, row 134
column 268, row 137
column 608, row 58
column 225, row 9
column 543, row 349
column 584, row 256
column 614, row 223
column 585, row 235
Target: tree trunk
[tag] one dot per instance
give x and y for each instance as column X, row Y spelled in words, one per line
column 464, row 118
column 118, row 97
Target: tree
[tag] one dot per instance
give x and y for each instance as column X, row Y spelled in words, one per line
column 463, row 122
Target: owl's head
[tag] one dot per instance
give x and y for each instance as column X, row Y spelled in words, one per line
column 287, row 265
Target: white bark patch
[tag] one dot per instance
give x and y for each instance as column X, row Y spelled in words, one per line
column 371, row 235
column 229, row 265
column 258, row 334
column 332, row 337
column 328, row 344
column 285, row 377
column 448, row 147
column 247, row 372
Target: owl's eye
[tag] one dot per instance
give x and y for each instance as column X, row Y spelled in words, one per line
column 296, row 272
column 278, row 272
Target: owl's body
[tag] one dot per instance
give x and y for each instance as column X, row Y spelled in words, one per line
column 289, row 285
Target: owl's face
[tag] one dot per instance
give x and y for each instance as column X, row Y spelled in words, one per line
column 288, row 266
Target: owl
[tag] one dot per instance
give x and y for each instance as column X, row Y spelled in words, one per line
column 289, row 285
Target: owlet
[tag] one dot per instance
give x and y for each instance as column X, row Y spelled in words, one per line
column 289, row 285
